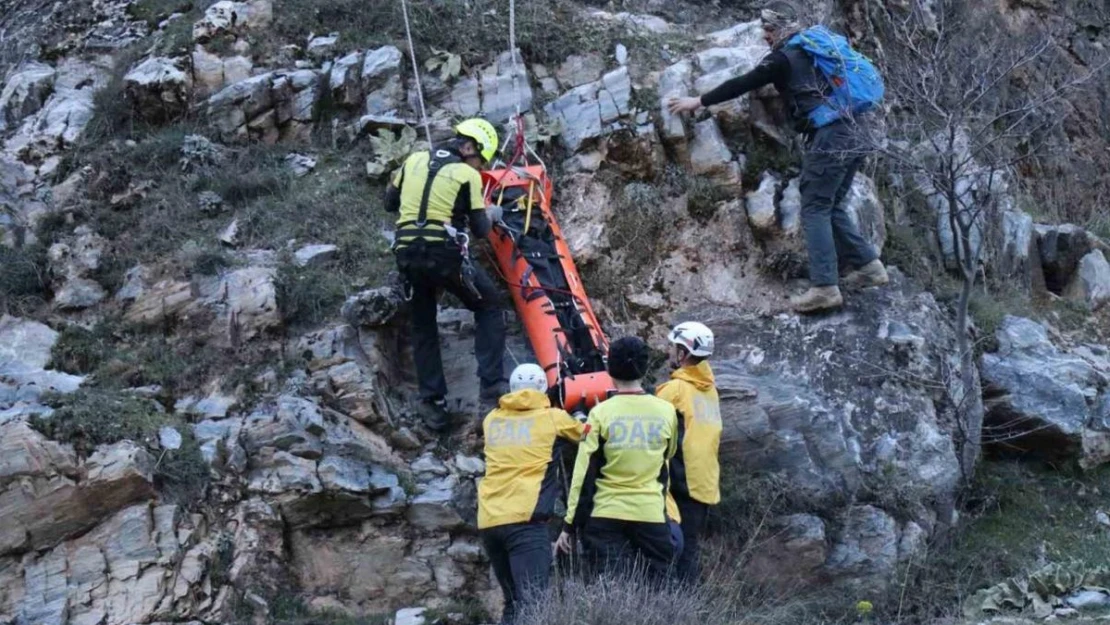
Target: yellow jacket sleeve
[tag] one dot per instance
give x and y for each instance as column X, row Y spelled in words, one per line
column 672, row 444
column 477, row 200
column 591, row 445
column 568, row 427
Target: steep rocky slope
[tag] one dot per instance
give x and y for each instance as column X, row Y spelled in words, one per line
column 191, row 431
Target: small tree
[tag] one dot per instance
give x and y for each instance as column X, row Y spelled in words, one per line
column 972, row 98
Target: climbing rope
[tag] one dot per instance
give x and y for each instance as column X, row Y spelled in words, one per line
column 416, row 75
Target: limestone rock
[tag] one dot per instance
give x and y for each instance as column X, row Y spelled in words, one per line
column 379, row 65
column 795, row 552
column 346, row 83
column 52, row 501
column 410, row 616
column 585, row 206
column 158, row 89
column 866, row 548
column 432, row 509
column 166, row 299
column 227, row 17
column 118, row 573
column 25, row 345
column 503, row 89
column 1062, row 248
column 1045, row 400
column 469, row 465
column 589, row 111
column 579, row 69
column 374, row 571
column 1018, row 258
column 63, row 117
column 78, row 293
column 316, row 254
column 1091, row 282
column 373, row 308
column 212, row 73
column 787, row 411
column 675, row 81
column 25, row 93
column 300, row 164
column 738, row 50
column 247, row 301
column 321, row 47
column 760, row 203
column 708, row 152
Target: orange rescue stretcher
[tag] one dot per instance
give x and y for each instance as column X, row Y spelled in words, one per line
column 534, row 260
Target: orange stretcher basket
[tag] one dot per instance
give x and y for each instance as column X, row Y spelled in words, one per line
column 573, row 389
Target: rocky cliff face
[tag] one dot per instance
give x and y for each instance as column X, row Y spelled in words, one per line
column 320, row 483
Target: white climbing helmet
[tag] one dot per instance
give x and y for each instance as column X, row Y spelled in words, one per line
column 695, row 337
column 530, row 376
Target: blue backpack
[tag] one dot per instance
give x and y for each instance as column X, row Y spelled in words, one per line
column 855, row 83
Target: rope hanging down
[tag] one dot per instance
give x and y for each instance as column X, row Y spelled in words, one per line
column 416, row 75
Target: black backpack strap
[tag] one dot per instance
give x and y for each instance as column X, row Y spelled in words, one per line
column 436, row 161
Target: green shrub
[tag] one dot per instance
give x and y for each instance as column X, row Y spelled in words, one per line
column 638, row 223
column 309, row 295
column 92, row 417
column 547, row 30
column 702, row 198
column 80, row 350
column 23, row 278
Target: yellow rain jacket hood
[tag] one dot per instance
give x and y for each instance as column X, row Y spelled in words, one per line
column 521, row 483
column 695, row 470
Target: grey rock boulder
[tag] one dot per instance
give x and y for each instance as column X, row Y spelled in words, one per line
column 1091, row 282
column 25, row 93
column 158, row 89
column 1045, row 400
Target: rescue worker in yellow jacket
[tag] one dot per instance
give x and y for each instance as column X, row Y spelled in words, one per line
column 517, row 496
column 617, row 497
column 437, row 195
column 695, row 471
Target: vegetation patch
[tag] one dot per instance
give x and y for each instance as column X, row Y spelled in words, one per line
column 92, row 417
column 24, row 283
column 703, row 196
column 1017, row 518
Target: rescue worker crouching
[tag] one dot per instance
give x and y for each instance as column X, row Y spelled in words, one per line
column 437, row 196
column 695, row 469
column 618, row 492
column 517, row 496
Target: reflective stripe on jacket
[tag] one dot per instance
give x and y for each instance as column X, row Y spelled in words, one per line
column 695, row 470
column 621, row 469
column 521, row 484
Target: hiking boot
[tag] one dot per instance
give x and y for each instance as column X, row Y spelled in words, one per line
column 871, row 274
column 434, row 414
column 816, row 299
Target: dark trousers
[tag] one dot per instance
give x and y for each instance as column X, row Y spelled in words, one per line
column 833, row 156
column 694, row 513
column 521, row 557
column 629, row 547
column 430, row 268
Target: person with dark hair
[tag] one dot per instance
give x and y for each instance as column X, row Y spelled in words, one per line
column 437, row 195
column 618, row 493
column 836, row 146
column 695, row 470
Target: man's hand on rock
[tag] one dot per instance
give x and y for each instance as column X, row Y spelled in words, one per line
column 683, row 105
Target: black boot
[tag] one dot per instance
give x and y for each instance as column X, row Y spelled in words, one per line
column 434, row 414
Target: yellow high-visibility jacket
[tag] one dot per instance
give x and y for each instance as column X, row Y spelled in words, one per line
column 621, row 469
column 455, row 192
column 695, row 470
column 521, row 483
